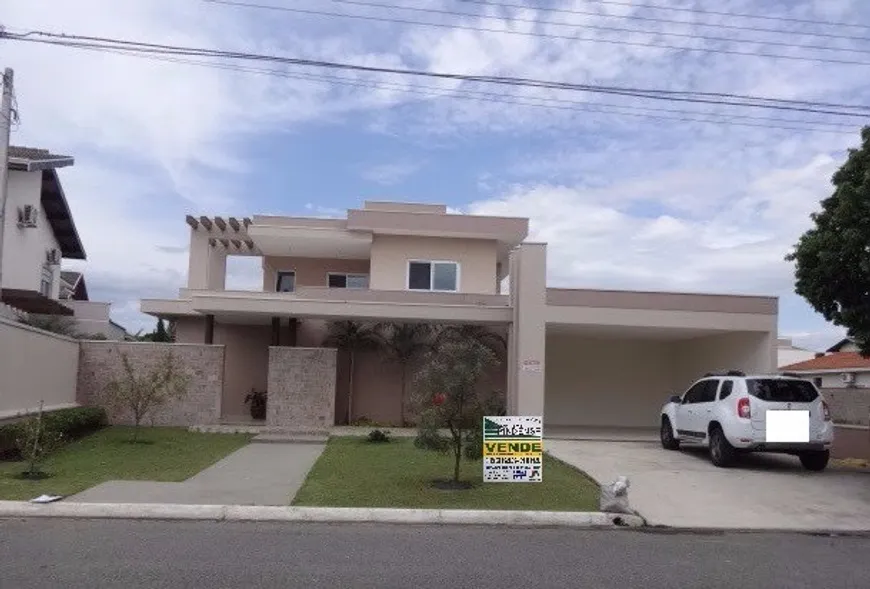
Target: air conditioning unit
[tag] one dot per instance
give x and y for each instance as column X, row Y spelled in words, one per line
column 848, row 377
column 52, row 257
column 27, row 216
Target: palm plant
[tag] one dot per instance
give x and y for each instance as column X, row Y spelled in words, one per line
column 403, row 344
column 481, row 334
column 352, row 337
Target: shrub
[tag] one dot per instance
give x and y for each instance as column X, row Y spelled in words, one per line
column 34, row 442
column 379, row 436
column 71, row 424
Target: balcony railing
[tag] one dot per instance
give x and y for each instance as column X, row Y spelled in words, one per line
column 362, row 295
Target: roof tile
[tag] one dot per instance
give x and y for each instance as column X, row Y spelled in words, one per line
column 834, row 361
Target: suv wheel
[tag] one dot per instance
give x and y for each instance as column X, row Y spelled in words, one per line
column 669, row 442
column 815, row 460
column 721, row 451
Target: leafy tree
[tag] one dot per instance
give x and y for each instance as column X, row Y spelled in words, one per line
column 403, row 343
column 832, row 260
column 141, row 391
column 352, row 337
column 448, row 395
column 160, row 334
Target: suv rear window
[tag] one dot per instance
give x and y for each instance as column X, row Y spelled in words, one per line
column 778, row 390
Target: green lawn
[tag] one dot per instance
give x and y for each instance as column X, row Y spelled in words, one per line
column 175, row 454
column 354, row 473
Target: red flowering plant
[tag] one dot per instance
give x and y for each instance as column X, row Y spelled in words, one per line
column 448, row 386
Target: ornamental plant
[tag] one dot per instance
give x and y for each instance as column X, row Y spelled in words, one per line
column 448, row 387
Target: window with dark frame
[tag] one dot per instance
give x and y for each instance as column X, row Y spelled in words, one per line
column 433, row 276
column 286, row 281
column 725, row 391
column 708, row 393
column 345, row 280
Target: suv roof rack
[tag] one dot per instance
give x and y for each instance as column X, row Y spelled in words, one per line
column 791, row 375
column 726, row 373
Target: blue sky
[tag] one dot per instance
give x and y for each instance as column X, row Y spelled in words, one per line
column 623, row 201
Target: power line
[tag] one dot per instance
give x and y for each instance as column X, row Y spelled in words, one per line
column 83, row 41
column 718, row 13
column 666, row 20
column 539, row 35
column 572, row 25
column 722, row 118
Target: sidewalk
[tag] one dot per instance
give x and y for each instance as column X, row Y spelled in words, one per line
column 257, row 474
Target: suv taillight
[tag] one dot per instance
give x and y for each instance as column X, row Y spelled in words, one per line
column 826, row 411
column 743, row 409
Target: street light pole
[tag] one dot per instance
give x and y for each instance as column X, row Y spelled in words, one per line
column 5, row 128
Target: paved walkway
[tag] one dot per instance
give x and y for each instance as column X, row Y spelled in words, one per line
column 258, row 474
column 760, row 491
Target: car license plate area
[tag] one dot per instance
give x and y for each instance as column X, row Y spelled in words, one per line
column 787, row 426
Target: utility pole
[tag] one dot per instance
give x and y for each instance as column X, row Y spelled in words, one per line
column 5, row 128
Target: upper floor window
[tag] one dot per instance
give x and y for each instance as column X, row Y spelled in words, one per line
column 433, row 275
column 46, row 280
column 344, row 280
column 286, row 281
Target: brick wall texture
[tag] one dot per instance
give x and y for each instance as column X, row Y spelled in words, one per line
column 850, row 406
column 100, row 363
column 301, row 388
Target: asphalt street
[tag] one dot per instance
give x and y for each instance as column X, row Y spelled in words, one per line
column 87, row 554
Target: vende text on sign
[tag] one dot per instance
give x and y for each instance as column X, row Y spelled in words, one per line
column 513, row 449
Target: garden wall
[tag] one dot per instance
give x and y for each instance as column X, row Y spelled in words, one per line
column 35, row 366
column 301, row 387
column 849, row 406
column 100, row 363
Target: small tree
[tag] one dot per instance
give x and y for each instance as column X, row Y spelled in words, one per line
column 34, row 443
column 352, row 337
column 141, row 393
column 831, row 259
column 404, row 343
column 448, row 395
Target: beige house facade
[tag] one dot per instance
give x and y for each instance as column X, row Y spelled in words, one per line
column 579, row 357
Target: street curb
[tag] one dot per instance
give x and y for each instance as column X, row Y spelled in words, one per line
column 250, row 513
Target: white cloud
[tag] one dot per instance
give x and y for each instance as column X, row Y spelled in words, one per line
column 623, row 200
column 391, row 173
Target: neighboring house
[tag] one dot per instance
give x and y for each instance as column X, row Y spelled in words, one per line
column 844, row 345
column 92, row 317
column 579, row 357
column 834, row 370
column 39, row 232
column 787, row 353
column 844, row 378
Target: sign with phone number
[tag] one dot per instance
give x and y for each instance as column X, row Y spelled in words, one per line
column 513, row 449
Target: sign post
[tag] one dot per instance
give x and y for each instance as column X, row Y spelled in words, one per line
column 513, row 449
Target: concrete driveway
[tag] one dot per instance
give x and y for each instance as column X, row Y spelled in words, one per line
column 683, row 489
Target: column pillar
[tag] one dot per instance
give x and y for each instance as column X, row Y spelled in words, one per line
column 198, row 260
column 209, row 329
column 528, row 335
column 276, row 331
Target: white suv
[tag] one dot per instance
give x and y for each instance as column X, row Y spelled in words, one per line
column 727, row 412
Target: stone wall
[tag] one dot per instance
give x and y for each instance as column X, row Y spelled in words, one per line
column 301, row 387
column 100, row 362
column 849, row 406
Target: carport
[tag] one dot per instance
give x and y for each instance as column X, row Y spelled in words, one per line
column 613, row 357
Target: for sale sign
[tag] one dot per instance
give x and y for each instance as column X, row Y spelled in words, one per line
column 513, row 449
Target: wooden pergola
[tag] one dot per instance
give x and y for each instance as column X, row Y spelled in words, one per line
column 229, row 234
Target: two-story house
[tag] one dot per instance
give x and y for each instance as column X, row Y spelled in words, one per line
column 39, row 232
column 578, row 357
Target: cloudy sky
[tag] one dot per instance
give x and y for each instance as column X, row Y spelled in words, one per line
column 629, row 193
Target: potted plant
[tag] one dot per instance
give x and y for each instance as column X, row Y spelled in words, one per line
column 257, row 399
